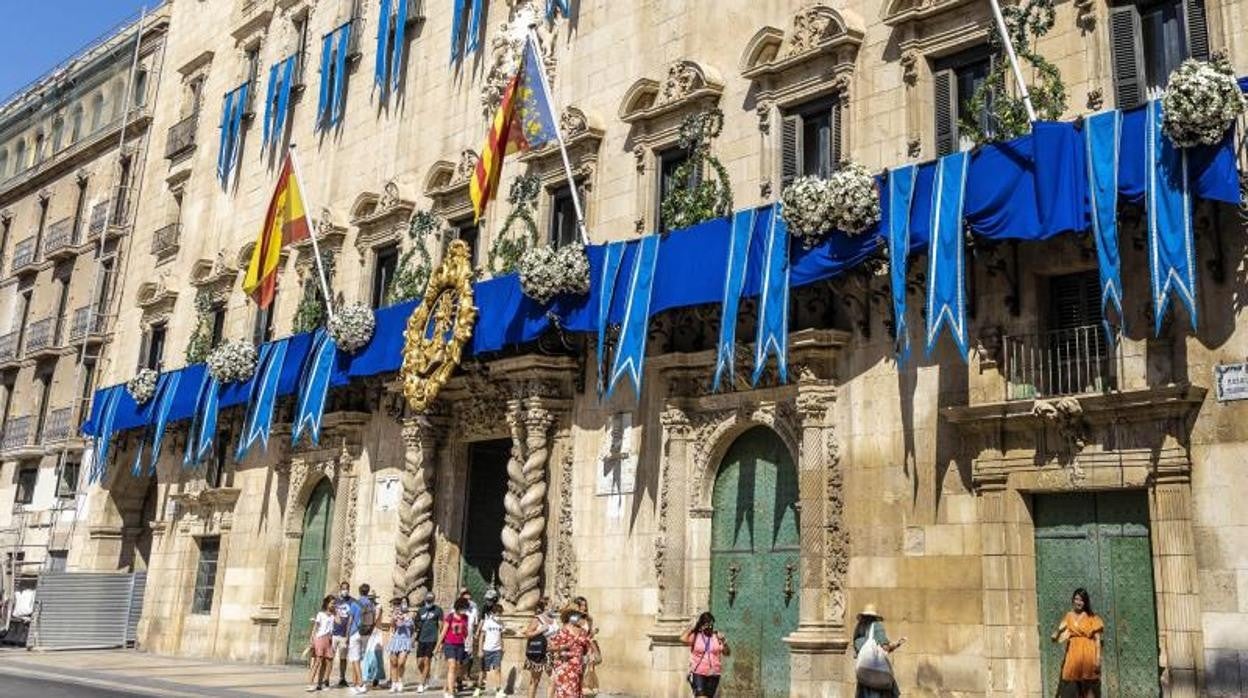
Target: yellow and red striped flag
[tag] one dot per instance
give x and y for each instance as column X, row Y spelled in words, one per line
column 286, row 221
column 498, row 143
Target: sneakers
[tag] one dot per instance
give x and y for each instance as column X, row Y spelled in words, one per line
column 420, row 688
column 500, row 693
column 313, row 688
column 477, row 693
column 359, row 689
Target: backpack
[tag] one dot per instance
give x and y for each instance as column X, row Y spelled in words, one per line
column 536, row 648
column 368, row 614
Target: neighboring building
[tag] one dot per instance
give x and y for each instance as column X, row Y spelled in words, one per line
column 933, row 491
column 72, row 147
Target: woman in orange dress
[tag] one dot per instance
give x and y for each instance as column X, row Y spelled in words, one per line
column 1081, row 630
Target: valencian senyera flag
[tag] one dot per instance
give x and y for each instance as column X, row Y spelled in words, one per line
column 524, row 120
column 286, row 221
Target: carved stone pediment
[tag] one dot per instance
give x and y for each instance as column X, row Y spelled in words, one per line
column 446, row 184
column 380, row 218
column 215, row 275
column 814, row 58
column 583, row 134
column 898, row 12
column 155, row 297
column 205, row 510
column 688, row 87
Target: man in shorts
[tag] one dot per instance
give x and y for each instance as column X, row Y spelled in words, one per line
column 428, row 623
column 342, row 622
column 355, row 646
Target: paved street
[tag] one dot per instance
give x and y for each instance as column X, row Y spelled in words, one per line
column 15, row 686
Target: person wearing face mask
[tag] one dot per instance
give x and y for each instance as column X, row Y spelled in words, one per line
column 428, row 624
column 402, row 625
column 569, row 648
column 342, row 626
column 707, row 648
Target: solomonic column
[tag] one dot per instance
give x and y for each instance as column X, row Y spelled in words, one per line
column 524, row 530
column 414, row 549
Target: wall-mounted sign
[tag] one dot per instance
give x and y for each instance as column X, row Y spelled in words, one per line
column 1231, row 381
column 617, row 456
column 389, row 492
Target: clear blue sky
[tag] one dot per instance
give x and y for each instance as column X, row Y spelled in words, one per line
column 36, row 35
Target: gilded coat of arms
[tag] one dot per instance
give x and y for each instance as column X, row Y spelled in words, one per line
column 439, row 329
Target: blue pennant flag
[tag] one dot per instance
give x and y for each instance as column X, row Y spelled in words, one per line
column 281, row 75
column 322, row 100
column 457, row 27
column 612, row 255
column 474, row 26
column 269, row 94
column 204, row 422
column 165, row 392
column 557, row 6
column 773, row 301
column 104, row 430
column 314, row 388
column 383, row 45
column 900, row 194
column 1171, row 249
column 340, row 74
column 946, row 287
column 263, row 397
column 630, row 355
column 400, row 37
column 734, row 283
column 1101, row 135
column 231, row 129
column 227, row 110
column 330, row 105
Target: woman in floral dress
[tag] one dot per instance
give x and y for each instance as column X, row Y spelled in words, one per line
column 568, row 649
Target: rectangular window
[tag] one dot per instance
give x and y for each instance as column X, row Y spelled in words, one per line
column 385, row 262
column 27, row 476
column 563, row 218
column 206, row 575
column 215, row 475
column 262, row 328
column 301, row 47
column 956, row 80
column 669, row 162
column 810, row 141
column 67, row 483
column 44, row 380
column 470, row 234
column 1149, row 39
column 218, row 323
column 155, row 346
column 88, row 385
column 55, row 561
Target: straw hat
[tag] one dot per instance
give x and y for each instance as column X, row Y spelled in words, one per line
column 869, row 611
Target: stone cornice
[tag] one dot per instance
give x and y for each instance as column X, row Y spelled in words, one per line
column 1160, row 403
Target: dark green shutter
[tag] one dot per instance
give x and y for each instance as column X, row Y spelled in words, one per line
column 790, row 149
column 838, row 147
column 1128, row 56
column 1197, row 29
column 946, row 112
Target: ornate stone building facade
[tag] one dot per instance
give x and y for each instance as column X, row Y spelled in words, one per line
column 938, row 490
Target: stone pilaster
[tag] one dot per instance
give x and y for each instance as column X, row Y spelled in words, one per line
column 413, row 565
column 524, row 531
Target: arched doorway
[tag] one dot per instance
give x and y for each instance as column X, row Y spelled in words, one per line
column 755, row 579
column 310, row 582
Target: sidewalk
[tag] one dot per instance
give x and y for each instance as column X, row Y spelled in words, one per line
column 150, row 674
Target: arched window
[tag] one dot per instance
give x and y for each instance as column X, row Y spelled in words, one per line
column 19, row 157
column 75, row 124
column 97, row 111
column 58, row 134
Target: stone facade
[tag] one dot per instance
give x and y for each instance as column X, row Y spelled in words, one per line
column 917, row 485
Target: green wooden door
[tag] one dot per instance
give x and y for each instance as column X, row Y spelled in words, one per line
column 755, row 577
column 310, row 582
column 484, row 514
column 1099, row 542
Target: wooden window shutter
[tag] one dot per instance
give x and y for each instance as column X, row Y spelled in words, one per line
column 838, row 142
column 1197, row 29
column 790, row 149
column 144, row 344
column 1128, row 56
column 946, row 112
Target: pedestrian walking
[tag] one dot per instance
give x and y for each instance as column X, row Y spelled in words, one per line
column 589, row 681
column 1081, row 629
column 707, row 648
column 368, row 623
column 569, row 648
column 355, row 644
column 322, row 646
column 452, row 639
column 542, row 626
column 402, row 627
column 490, row 639
column 428, row 635
column 374, row 662
column 474, row 615
column 342, row 625
column 873, row 669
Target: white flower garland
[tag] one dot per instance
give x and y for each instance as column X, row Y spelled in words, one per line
column 352, row 326
column 546, row 272
column 1200, row 103
column 143, row 386
column 847, row 201
column 233, row 361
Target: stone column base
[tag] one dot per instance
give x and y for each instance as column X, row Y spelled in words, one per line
column 816, row 661
column 669, row 657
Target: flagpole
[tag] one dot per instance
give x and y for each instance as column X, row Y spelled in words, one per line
column 316, row 249
column 563, row 147
column 1009, row 51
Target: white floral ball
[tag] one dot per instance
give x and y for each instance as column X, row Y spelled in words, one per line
column 855, row 198
column 808, row 209
column 143, row 386
column 352, row 326
column 233, row 361
column 1200, row 103
column 546, row 272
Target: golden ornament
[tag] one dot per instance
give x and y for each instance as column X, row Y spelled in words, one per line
column 439, row 329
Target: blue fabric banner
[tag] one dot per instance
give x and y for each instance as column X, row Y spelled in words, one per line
column 204, row 422
column 323, row 96
column 897, row 219
column 630, row 354
column 223, row 153
column 613, row 254
column 400, row 38
column 313, row 388
column 773, row 303
column 457, row 28
column 283, row 98
column 340, row 74
column 270, row 93
column 103, row 440
column 1102, row 133
column 263, row 397
column 474, row 26
column 1171, row 248
column 557, row 6
column 166, row 392
column 734, row 283
column 946, row 286
column 231, row 129
column 382, row 58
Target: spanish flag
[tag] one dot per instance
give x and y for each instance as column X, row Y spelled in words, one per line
column 286, row 221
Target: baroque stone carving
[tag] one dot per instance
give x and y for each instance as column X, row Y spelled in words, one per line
column 348, row 535
column 439, row 329
column 836, row 544
column 414, row 548
column 565, row 553
column 810, row 25
column 524, row 524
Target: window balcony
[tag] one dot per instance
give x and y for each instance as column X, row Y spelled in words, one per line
column 181, row 138
column 59, row 426
column 87, row 326
column 165, row 240
column 1075, row 361
column 99, row 218
column 17, row 436
column 24, row 255
column 40, row 338
column 8, row 349
column 59, row 242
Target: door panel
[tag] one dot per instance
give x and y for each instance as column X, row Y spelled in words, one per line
column 1099, row 542
column 483, row 522
column 755, row 574
column 310, row 575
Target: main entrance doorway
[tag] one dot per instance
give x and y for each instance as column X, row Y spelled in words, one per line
column 483, row 515
column 1099, row 542
column 310, row 582
column 755, row 577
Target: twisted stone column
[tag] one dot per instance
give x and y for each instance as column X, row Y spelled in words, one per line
column 413, row 560
column 524, row 532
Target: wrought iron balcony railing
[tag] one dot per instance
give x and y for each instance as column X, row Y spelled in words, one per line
column 99, row 217
column 60, row 237
column 39, row 335
column 59, row 425
column 1073, row 361
column 8, row 346
column 16, row 434
column 23, row 254
column 181, row 136
column 165, row 240
column 86, row 323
